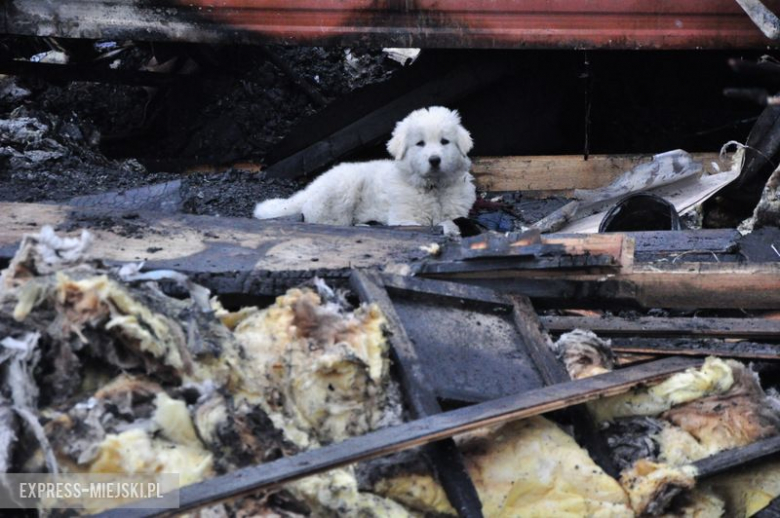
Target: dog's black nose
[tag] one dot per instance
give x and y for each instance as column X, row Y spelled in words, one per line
column 435, row 161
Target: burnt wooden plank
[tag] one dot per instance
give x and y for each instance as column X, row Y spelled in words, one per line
column 736, row 457
column 532, row 262
column 722, row 240
column 225, row 254
column 446, row 460
column 466, row 338
column 470, row 76
column 412, row 434
column 343, row 111
column 532, row 244
column 657, row 285
column 754, row 328
column 697, row 347
column 450, row 290
column 538, row 345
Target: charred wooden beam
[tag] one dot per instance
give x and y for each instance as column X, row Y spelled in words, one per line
column 659, row 285
column 344, row 111
column 412, row 434
column 742, row 350
column 446, row 460
column 736, row 457
column 755, row 328
column 553, row 372
column 470, row 76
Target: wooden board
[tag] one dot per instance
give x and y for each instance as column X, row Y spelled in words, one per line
column 465, row 339
column 226, row 254
column 656, row 326
column 415, row 433
column 735, row 457
column 658, row 285
column 742, row 350
column 539, row 345
column 560, row 175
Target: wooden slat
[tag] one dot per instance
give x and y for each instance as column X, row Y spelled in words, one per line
column 560, row 175
column 412, row 434
column 659, row 285
column 733, row 458
column 538, row 345
column 750, row 351
column 446, row 460
column 657, row 326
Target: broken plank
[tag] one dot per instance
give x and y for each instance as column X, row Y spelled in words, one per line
column 471, row 348
column 412, row 434
column 531, row 243
column 658, row 285
column 561, row 175
column 446, row 460
column 451, row 290
column 539, row 346
column 659, row 326
column 736, row 457
column 719, row 240
column 647, row 245
column 697, row 347
column 225, row 254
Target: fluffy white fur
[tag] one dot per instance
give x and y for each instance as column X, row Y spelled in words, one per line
column 412, row 189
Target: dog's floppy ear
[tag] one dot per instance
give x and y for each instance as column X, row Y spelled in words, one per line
column 396, row 146
column 463, row 138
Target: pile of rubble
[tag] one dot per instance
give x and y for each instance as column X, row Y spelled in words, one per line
column 105, row 373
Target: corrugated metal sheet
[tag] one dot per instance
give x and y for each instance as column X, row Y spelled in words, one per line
column 423, row 23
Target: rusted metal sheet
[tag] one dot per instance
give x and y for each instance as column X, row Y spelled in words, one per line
column 631, row 24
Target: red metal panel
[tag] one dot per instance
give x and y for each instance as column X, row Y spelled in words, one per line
column 497, row 23
column 422, row 23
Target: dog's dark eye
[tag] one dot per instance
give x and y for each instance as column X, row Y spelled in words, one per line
column 421, row 143
column 444, row 142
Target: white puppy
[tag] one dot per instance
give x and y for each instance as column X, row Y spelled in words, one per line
column 428, row 183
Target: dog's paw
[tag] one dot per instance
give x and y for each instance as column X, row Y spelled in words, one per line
column 450, row 228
